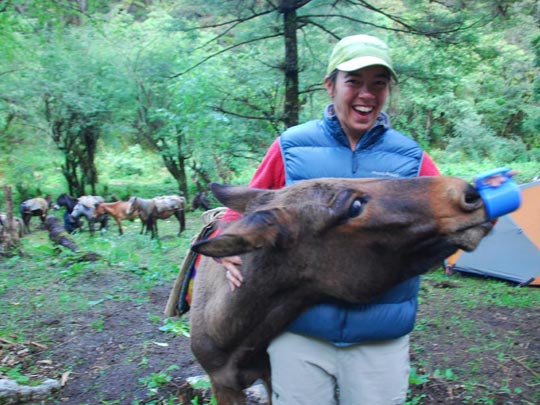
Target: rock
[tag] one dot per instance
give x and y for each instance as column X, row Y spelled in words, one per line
column 13, row 393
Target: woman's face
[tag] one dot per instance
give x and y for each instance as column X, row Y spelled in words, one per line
column 358, row 98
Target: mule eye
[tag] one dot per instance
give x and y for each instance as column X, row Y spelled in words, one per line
column 356, row 208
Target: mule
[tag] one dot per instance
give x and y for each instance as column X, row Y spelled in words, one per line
column 200, row 201
column 162, row 207
column 119, row 211
column 35, row 207
column 85, row 207
column 350, row 239
column 66, row 201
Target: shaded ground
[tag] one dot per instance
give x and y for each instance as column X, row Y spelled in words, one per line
column 462, row 351
column 112, row 355
column 474, row 352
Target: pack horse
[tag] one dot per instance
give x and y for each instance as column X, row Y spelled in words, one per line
column 162, row 207
column 118, row 210
column 35, row 207
column 86, row 207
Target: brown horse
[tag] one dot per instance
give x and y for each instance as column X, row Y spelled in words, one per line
column 350, row 239
column 119, row 211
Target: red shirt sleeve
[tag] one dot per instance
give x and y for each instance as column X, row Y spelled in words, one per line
column 269, row 175
column 428, row 167
column 271, row 172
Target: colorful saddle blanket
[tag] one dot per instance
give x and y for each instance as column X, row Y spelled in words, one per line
column 180, row 296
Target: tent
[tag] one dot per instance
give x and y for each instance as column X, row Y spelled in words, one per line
column 512, row 250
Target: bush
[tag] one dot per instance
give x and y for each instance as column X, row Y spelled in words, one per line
column 483, row 145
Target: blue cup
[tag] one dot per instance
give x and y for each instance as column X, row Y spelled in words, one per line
column 499, row 199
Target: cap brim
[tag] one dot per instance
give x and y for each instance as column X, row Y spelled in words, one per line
column 362, row 62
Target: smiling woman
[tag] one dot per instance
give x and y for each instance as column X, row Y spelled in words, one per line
column 358, row 98
column 354, row 139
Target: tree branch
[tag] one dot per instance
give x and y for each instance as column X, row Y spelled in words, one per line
column 192, row 67
column 233, row 23
column 408, row 28
column 236, row 114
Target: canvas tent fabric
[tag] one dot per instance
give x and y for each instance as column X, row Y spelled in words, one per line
column 512, row 250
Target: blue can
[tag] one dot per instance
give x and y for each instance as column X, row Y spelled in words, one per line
column 501, row 196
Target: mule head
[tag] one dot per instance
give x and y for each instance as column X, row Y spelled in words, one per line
column 390, row 228
column 445, row 208
column 65, row 200
column 132, row 206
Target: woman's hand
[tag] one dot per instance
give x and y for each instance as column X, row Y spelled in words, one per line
column 234, row 275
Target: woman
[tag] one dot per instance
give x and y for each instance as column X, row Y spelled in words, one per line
column 337, row 352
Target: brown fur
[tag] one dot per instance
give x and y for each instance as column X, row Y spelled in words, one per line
column 118, row 210
column 344, row 238
column 162, row 207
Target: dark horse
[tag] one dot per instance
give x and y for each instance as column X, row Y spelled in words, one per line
column 68, row 202
column 200, row 201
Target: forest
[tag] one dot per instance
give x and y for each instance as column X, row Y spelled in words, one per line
column 130, row 96
column 155, row 97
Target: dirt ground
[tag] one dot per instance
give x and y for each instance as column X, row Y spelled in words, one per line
column 479, row 355
column 109, row 362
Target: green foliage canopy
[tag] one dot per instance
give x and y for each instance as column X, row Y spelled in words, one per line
column 203, row 83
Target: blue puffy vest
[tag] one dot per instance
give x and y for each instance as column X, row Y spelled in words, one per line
column 320, row 148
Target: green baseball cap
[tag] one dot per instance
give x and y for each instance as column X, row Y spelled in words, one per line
column 359, row 51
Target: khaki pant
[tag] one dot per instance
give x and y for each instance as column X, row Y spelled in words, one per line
column 307, row 371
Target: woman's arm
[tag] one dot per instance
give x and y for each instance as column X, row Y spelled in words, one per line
column 428, row 167
column 269, row 175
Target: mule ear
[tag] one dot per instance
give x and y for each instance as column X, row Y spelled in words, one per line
column 223, row 246
column 272, row 228
column 235, row 197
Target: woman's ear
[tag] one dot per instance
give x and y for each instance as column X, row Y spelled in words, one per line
column 329, row 84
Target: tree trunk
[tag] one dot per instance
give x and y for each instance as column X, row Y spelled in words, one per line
column 292, row 108
column 181, row 159
column 9, row 238
column 514, row 120
column 427, row 132
column 75, row 134
column 58, row 234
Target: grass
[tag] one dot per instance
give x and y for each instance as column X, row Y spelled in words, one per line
column 474, row 292
column 43, row 276
column 526, row 171
column 178, row 327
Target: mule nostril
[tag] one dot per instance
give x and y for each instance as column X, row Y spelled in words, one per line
column 472, row 197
